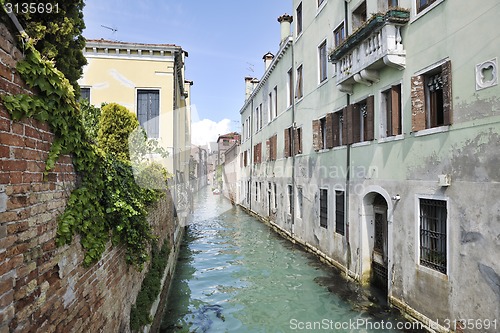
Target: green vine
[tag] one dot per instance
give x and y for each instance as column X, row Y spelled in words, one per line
column 150, row 288
column 108, row 202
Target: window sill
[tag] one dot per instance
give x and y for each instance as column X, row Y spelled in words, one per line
column 298, row 36
column 339, row 147
column 322, row 83
column 361, row 144
column 391, row 138
column 433, row 130
column 432, row 272
column 416, row 15
column 298, row 100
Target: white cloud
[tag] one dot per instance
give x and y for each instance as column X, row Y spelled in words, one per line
column 206, row 130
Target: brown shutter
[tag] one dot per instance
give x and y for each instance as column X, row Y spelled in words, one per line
column 336, row 129
column 255, row 154
column 316, row 129
column 345, row 113
column 287, row 143
column 297, row 145
column 370, row 110
column 260, row 152
column 268, row 150
column 329, row 130
column 417, row 103
column 447, row 95
column 396, row 112
column 352, row 123
column 274, row 145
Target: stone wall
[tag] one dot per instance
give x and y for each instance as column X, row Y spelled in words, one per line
column 44, row 288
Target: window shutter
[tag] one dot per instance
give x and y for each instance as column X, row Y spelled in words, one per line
column 370, row 110
column 297, row 141
column 336, row 129
column 260, row 152
column 396, row 112
column 352, row 120
column 316, row 129
column 274, row 145
column 287, row 143
column 417, row 103
column 268, row 150
column 329, row 130
column 345, row 112
column 447, row 96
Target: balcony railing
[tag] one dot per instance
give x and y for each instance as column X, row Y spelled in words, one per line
column 376, row 44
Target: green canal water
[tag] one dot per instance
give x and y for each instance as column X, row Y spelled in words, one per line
column 236, row 275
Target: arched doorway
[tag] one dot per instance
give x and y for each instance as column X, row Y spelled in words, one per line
column 375, row 238
column 379, row 262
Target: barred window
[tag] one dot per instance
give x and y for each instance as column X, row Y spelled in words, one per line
column 433, row 215
column 323, row 208
column 339, row 212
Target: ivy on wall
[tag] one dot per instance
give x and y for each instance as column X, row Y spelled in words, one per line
column 107, row 203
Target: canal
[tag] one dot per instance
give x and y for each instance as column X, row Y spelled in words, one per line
column 236, row 275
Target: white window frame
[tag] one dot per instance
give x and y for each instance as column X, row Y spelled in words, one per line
column 417, row 234
column 382, row 124
column 416, row 15
column 321, row 80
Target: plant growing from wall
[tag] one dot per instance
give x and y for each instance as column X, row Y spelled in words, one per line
column 108, row 201
column 150, row 288
column 57, row 27
column 90, row 118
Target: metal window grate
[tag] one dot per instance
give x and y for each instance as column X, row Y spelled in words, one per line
column 339, row 212
column 433, row 215
column 323, row 208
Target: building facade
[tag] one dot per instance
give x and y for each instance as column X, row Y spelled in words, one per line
column 149, row 80
column 371, row 139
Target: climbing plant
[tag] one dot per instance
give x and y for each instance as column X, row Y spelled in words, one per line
column 108, row 202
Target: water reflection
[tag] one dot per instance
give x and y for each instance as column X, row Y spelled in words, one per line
column 236, row 275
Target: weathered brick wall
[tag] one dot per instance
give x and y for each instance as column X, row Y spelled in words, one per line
column 44, row 288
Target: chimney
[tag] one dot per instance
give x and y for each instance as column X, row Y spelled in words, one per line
column 285, row 23
column 268, row 59
column 248, row 86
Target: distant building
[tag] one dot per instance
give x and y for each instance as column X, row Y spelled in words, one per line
column 372, row 138
column 149, row 80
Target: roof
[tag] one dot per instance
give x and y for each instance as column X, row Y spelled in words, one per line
column 228, row 135
column 119, row 44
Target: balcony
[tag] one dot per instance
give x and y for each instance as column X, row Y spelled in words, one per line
column 376, row 44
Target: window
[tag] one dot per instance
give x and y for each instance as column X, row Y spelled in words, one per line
column 225, row 142
column 431, row 98
column 299, row 19
column 339, row 212
column 338, row 131
column 85, row 94
column 289, row 87
column 257, row 153
column 359, row 16
column 275, row 196
column 256, row 192
column 272, row 147
column 260, row 116
column 256, row 117
column 290, row 199
column 323, row 132
column 299, row 92
column 392, row 3
column 270, row 107
column 360, row 121
column 245, row 158
column 323, row 68
column 148, row 111
column 275, row 101
column 293, row 141
column 260, row 191
column 299, row 202
column 422, row 4
column 323, row 208
column 391, row 112
column 433, row 215
column 339, row 34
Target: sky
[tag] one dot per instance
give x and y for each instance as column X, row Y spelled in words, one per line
column 225, row 39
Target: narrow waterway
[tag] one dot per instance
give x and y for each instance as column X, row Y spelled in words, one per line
column 236, row 275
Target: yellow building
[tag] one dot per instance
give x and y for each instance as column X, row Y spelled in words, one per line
column 149, row 80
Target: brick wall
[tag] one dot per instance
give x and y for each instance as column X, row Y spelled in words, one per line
column 44, row 288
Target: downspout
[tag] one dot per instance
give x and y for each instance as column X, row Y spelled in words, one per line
column 251, row 155
column 294, row 129
column 348, row 162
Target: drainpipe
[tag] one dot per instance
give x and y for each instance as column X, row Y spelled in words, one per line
column 348, row 160
column 294, row 129
column 251, row 155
